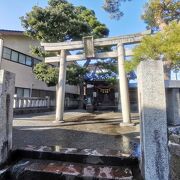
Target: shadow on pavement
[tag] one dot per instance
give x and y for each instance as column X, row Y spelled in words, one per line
column 41, row 136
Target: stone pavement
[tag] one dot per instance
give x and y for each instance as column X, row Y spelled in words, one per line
column 99, row 130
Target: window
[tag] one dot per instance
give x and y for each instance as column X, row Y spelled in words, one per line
column 26, row 92
column 36, row 61
column 22, row 92
column 14, row 56
column 28, row 61
column 19, row 92
column 6, row 53
column 22, row 59
column 18, row 57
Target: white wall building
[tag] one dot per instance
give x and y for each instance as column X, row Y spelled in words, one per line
column 16, row 57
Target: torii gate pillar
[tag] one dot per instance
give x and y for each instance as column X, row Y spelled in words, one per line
column 61, row 88
column 123, row 87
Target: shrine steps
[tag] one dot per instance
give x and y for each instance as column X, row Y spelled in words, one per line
column 46, row 163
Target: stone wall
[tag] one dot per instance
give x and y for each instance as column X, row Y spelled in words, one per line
column 7, row 83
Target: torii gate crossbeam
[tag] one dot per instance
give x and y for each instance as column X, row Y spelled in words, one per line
column 88, row 44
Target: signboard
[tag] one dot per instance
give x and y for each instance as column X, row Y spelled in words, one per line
column 89, row 47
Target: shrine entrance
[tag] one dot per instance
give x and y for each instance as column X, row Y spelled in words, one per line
column 104, row 96
column 88, row 45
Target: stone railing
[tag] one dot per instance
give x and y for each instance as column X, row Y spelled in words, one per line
column 31, row 102
column 37, row 102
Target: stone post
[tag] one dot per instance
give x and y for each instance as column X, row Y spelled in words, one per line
column 173, row 102
column 7, row 83
column 174, row 150
column 154, row 142
column 61, row 88
column 1, row 51
column 124, row 92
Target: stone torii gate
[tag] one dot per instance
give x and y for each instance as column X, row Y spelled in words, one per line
column 88, row 44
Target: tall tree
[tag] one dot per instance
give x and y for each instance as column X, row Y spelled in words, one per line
column 61, row 21
column 106, row 70
column 159, row 13
column 164, row 45
column 49, row 74
column 113, row 8
column 162, row 17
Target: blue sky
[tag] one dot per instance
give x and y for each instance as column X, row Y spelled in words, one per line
column 11, row 10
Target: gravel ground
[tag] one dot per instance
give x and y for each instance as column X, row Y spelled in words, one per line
column 99, row 130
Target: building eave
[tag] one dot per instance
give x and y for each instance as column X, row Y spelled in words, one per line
column 11, row 32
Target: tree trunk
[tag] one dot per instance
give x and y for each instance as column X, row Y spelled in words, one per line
column 81, row 96
column 161, row 24
column 159, row 20
column 81, row 87
column 86, row 64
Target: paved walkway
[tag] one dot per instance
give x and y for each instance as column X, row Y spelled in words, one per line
column 99, row 130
